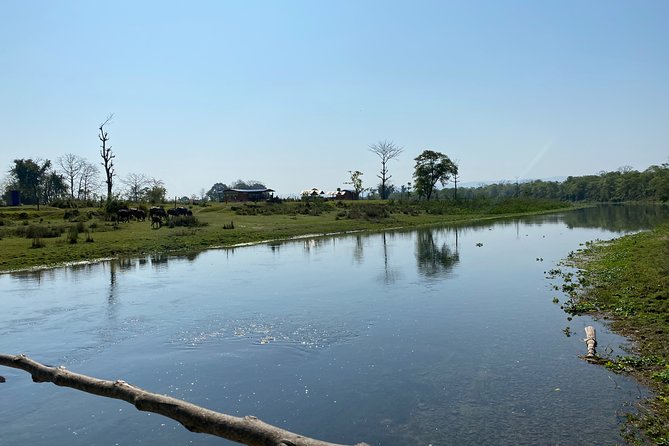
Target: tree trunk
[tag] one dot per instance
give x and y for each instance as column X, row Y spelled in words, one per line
column 247, row 430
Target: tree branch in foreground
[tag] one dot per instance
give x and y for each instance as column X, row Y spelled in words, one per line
column 247, row 430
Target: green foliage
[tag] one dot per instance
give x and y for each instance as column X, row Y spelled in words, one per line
column 73, row 235
column 39, row 231
column 662, row 376
column 111, row 207
column 371, row 212
column 627, row 279
column 622, row 185
column 432, row 168
column 189, row 221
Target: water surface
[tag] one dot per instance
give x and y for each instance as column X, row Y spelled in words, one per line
column 442, row 336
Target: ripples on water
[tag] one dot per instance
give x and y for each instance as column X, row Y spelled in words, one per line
column 438, row 336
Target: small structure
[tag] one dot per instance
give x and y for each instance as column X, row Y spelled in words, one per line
column 247, row 194
column 313, row 192
column 346, row 194
column 13, row 198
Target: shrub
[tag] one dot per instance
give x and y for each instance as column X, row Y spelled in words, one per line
column 39, row 231
column 189, row 221
column 73, row 235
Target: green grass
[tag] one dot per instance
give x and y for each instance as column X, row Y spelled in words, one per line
column 627, row 281
column 31, row 238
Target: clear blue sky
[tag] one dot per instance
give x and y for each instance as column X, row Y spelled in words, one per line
column 293, row 92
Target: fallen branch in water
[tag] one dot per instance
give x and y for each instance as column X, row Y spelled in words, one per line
column 247, row 430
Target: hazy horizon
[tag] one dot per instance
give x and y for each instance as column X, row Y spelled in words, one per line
column 293, row 93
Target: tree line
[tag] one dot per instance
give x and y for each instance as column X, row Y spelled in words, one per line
column 624, row 184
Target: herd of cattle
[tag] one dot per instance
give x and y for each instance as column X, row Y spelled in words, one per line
column 157, row 214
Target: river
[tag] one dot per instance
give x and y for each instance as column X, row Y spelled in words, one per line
column 435, row 336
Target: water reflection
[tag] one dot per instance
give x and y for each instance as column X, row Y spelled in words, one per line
column 434, row 256
column 359, row 339
column 112, row 293
column 618, row 217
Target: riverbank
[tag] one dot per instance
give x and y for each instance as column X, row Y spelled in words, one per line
column 626, row 281
column 52, row 237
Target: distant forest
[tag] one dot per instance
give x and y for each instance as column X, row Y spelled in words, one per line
column 625, row 184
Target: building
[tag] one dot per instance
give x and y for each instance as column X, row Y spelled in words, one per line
column 247, row 194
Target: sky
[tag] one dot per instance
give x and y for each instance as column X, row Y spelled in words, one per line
column 293, row 93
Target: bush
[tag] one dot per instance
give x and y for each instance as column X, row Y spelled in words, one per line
column 189, row 221
column 71, row 214
column 73, row 235
column 39, row 231
column 368, row 212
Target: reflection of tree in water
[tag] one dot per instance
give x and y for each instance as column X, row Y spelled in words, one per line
column 433, row 258
column 623, row 217
column 159, row 261
column 112, row 295
column 358, row 249
column 390, row 274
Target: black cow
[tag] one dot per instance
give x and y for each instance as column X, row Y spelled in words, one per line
column 123, row 215
column 157, row 211
column 138, row 214
column 156, row 221
column 180, row 211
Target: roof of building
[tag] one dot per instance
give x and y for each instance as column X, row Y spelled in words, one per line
column 249, row 191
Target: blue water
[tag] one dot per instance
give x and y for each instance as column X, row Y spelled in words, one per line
column 439, row 336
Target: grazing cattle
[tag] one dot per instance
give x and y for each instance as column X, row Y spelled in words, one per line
column 138, row 214
column 180, row 211
column 157, row 211
column 123, row 215
column 156, row 221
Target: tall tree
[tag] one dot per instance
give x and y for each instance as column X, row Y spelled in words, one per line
column 248, row 184
column 54, row 187
column 157, row 192
column 356, row 182
column 431, row 167
column 137, row 184
column 107, row 156
column 386, row 151
column 456, row 177
column 71, row 166
column 216, row 191
column 89, row 181
column 29, row 178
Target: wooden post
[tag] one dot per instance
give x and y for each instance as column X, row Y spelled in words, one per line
column 590, row 341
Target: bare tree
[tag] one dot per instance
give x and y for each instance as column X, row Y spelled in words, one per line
column 107, row 156
column 137, row 184
column 71, row 165
column 386, row 150
column 88, row 180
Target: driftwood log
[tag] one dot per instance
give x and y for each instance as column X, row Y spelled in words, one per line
column 591, row 341
column 247, row 430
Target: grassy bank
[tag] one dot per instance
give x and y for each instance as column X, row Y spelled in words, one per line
column 49, row 237
column 627, row 281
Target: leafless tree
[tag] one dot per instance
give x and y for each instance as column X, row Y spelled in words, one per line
column 137, row 184
column 88, row 180
column 386, row 151
column 107, row 156
column 70, row 166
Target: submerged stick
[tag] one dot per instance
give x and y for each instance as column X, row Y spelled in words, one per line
column 247, row 430
column 590, row 341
